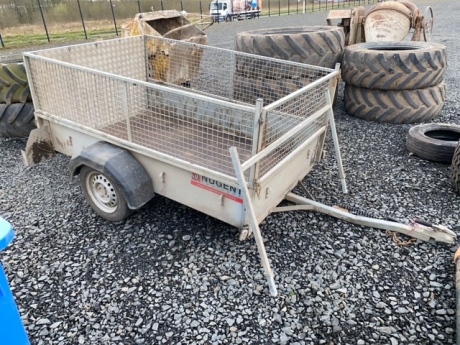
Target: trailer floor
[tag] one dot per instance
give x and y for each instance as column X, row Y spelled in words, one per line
column 190, row 141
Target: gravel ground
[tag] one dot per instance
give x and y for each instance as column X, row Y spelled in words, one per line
column 173, row 275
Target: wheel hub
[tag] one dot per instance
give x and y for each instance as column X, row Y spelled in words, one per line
column 102, row 192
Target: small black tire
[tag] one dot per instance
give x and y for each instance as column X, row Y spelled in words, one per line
column 455, row 170
column 14, row 87
column 105, row 197
column 405, row 106
column 16, row 120
column 433, row 141
column 394, row 65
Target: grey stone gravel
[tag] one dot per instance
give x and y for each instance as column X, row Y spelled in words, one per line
column 171, row 275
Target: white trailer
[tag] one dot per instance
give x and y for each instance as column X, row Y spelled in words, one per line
column 211, row 143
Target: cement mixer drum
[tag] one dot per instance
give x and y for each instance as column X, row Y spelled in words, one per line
column 387, row 21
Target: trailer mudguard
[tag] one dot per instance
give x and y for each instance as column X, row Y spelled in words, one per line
column 120, row 167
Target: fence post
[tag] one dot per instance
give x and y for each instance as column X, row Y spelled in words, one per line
column 201, row 11
column 82, row 21
column 139, row 6
column 162, row 8
column 269, row 8
column 1, row 41
column 113, row 16
column 43, row 19
column 279, row 7
column 289, row 8
column 181, row 6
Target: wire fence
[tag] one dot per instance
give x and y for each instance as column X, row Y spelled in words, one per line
column 41, row 21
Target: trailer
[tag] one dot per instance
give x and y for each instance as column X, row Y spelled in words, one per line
column 213, row 144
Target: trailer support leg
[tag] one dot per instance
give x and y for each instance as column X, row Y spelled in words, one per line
column 457, row 293
column 335, row 139
column 253, row 222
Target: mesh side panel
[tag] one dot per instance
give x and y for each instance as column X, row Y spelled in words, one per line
column 124, row 57
column 286, row 116
column 225, row 74
column 191, row 128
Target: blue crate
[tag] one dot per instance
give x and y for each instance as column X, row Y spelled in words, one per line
column 12, row 331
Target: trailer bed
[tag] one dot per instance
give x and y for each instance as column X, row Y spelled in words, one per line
column 188, row 141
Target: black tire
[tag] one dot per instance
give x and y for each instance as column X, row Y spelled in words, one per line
column 250, row 89
column 455, row 169
column 16, row 120
column 112, row 205
column 433, row 141
column 315, row 45
column 394, row 65
column 14, row 87
column 406, row 106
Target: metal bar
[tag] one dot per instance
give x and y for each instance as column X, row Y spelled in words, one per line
column 257, row 138
column 286, row 136
column 457, row 294
column 113, row 16
column 292, row 208
column 181, row 5
column 1, row 41
column 335, row 139
column 177, row 162
column 139, row 6
column 43, row 19
column 419, row 231
column 312, row 85
column 201, row 11
column 82, row 20
column 278, row 168
column 146, row 84
column 125, row 102
column 252, row 222
column 162, row 7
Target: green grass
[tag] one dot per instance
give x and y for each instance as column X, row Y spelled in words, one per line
column 23, row 41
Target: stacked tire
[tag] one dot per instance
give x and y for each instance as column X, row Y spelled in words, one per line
column 455, row 170
column 314, row 45
column 394, row 82
column 16, row 108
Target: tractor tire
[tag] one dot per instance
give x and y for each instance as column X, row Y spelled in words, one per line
column 14, row 87
column 16, row 120
column 433, row 141
column 406, row 106
column 314, row 45
column 455, row 170
column 248, row 90
column 394, row 65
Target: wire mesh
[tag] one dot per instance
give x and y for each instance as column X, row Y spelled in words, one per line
column 208, row 105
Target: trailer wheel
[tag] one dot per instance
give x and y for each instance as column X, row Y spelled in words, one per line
column 433, row 141
column 455, row 170
column 14, row 87
column 406, row 106
column 104, row 196
column 314, row 45
column 394, row 65
column 16, row 120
